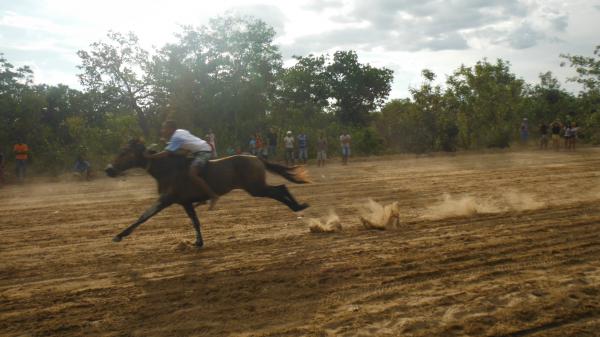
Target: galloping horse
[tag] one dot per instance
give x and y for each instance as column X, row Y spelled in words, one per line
column 223, row 175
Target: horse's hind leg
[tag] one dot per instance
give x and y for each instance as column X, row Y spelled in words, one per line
column 189, row 209
column 279, row 193
column 284, row 190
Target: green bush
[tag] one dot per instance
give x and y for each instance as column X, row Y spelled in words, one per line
column 367, row 141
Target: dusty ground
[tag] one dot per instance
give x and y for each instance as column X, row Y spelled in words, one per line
column 497, row 244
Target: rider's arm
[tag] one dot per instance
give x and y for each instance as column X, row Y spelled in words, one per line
column 158, row 155
column 173, row 147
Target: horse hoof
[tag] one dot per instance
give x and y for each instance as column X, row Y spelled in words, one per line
column 301, row 207
column 199, row 244
column 117, row 239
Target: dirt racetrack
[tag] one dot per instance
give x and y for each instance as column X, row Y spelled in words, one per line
column 492, row 244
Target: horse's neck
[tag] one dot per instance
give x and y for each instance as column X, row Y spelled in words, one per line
column 163, row 167
column 156, row 168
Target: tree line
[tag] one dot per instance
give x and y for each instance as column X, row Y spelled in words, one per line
column 229, row 76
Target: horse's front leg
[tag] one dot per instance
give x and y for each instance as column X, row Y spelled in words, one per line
column 150, row 212
column 191, row 212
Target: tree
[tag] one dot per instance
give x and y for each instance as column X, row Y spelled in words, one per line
column 304, row 88
column 587, row 68
column 120, row 70
column 357, row 89
column 437, row 128
column 398, row 125
column 546, row 101
column 13, row 80
column 488, row 99
column 20, row 107
column 221, row 75
column 588, row 109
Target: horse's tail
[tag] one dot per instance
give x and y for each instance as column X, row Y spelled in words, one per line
column 296, row 174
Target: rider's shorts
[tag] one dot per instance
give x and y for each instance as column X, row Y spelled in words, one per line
column 201, row 158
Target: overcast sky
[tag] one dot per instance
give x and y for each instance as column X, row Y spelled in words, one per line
column 403, row 35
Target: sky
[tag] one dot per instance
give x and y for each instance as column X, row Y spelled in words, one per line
column 406, row 36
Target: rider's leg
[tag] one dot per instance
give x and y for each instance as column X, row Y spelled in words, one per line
column 200, row 182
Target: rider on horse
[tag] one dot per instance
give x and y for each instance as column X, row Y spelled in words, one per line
column 180, row 139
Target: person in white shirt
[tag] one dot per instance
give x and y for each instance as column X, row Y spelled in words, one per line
column 211, row 139
column 180, row 139
column 288, row 141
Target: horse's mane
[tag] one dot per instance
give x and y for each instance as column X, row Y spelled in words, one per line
column 228, row 157
column 170, row 165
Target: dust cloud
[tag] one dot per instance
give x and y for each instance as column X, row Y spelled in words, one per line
column 521, row 201
column 467, row 205
column 329, row 224
column 452, row 206
column 377, row 216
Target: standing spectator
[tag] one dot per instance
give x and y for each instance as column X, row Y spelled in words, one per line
column 568, row 135
column 345, row 140
column 556, row 135
column 212, row 141
column 82, row 168
column 21, row 151
column 543, row 136
column 574, row 129
column 252, row 145
column 1, row 169
column 524, row 131
column 272, row 142
column 260, row 145
column 288, row 141
column 321, row 150
column 302, row 147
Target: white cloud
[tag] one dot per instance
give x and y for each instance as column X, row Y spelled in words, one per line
column 437, row 25
column 14, row 20
column 404, row 35
column 272, row 15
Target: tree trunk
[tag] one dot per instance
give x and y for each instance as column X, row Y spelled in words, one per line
column 142, row 121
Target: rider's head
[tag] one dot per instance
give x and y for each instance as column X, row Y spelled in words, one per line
column 168, row 128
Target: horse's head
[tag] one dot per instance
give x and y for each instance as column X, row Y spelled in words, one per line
column 131, row 155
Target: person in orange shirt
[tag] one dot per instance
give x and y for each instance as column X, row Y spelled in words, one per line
column 21, row 151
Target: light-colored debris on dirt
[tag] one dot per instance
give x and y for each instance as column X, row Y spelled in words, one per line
column 329, row 224
column 377, row 216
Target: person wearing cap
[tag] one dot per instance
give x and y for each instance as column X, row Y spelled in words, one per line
column 288, row 141
column 524, row 130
